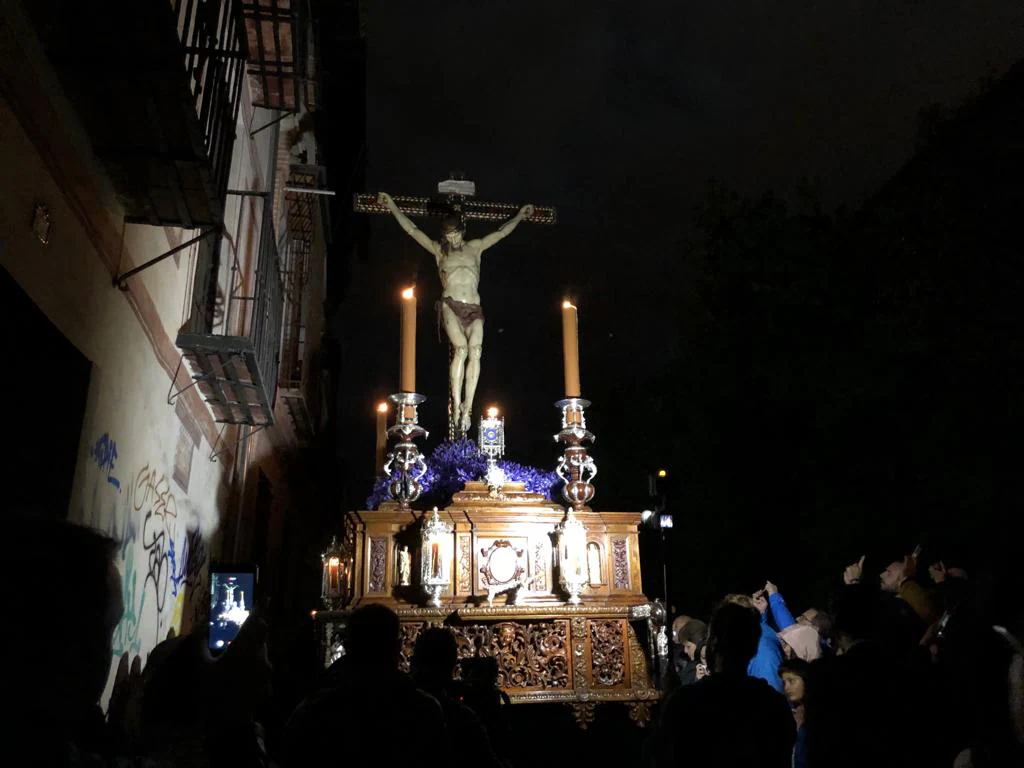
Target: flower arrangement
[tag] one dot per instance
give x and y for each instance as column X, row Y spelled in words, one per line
column 455, row 462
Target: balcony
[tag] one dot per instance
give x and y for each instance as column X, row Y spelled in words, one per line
column 279, row 62
column 236, row 371
column 302, row 295
column 157, row 86
column 237, row 375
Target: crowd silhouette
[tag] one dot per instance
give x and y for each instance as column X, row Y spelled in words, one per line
column 923, row 668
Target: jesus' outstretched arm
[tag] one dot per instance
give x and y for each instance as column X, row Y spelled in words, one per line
column 505, row 229
column 405, row 223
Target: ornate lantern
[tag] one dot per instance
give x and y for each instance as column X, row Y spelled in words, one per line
column 436, row 556
column 572, row 555
column 492, row 434
column 492, row 445
column 337, row 565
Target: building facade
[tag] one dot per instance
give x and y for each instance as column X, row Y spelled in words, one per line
column 163, row 251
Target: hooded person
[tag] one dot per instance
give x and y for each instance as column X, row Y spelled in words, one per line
column 801, row 641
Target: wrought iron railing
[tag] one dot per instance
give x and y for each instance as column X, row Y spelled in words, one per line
column 298, row 226
column 212, row 35
column 237, row 369
column 268, row 306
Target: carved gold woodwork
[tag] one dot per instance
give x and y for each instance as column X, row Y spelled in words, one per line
column 540, row 654
column 584, row 713
column 547, row 651
column 640, row 713
column 502, row 563
column 525, row 521
column 608, row 652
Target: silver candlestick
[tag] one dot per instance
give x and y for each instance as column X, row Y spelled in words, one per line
column 405, row 465
column 576, row 468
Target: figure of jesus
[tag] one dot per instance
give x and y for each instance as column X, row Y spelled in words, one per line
column 458, row 264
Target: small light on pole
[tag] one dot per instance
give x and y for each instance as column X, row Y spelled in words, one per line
column 659, row 521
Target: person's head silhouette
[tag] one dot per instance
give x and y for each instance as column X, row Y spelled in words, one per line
column 53, row 568
column 374, row 637
column 733, row 636
column 434, row 657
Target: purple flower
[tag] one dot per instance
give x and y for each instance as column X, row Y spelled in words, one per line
column 454, row 463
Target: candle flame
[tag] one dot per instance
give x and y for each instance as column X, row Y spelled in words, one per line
column 566, row 304
column 382, row 407
column 408, row 293
column 492, row 412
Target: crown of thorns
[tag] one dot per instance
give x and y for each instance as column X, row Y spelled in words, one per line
column 453, row 224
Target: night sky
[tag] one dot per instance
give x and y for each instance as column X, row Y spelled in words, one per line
column 619, row 115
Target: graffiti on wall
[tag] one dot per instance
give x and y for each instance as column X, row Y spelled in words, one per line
column 156, row 506
column 188, row 563
column 126, row 635
column 162, row 553
column 104, row 453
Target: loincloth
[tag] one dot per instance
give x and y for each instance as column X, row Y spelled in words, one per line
column 466, row 314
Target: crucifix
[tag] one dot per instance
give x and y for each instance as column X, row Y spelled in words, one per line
column 458, row 265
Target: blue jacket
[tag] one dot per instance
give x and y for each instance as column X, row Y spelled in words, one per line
column 780, row 612
column 800, row 748
column 765, row 663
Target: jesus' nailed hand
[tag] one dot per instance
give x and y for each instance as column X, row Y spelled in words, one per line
column 458, row 265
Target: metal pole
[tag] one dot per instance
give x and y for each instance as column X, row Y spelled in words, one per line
column 664, row 570
column 310, row 190
column 121, row 280
column 275, row 121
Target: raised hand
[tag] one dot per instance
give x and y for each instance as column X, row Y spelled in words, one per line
column 526, row 211
column 760, row 601
column 853, row 572
column 910, row 565
column 770, row 588
column 383, row 198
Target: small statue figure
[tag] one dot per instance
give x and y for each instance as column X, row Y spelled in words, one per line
column 404, row 567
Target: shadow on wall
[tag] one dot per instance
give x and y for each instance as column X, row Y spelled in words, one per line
column 45, row 387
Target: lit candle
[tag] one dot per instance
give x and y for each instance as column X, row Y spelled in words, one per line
column 382, row 437
column 571, row 349
column 333, row 579
column 435, row 560
column 408, row 380
column 572, row 561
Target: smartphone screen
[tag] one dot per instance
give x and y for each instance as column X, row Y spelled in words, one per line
column 232, row 592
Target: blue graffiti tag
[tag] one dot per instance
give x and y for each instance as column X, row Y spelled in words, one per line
column 187, row 572
column 177, row 576
column 104, row 453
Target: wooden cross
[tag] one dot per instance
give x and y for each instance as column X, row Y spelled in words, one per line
column 457, row 196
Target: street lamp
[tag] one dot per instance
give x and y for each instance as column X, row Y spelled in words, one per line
column 659, row 521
